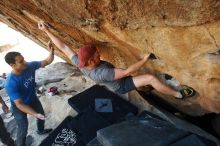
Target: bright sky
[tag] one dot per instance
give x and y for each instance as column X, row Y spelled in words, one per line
column 29, row 49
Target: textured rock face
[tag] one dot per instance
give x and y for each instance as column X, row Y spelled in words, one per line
column 181, row 34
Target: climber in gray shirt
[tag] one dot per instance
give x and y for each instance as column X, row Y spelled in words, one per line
column 104, row 73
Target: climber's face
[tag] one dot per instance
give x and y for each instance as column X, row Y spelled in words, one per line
column 94, row 61
column 96, row 57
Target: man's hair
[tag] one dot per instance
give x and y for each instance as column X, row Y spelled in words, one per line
column 10, row 57
column 85, row 53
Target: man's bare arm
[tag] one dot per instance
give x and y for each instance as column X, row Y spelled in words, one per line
column 27, row 109
column 120, row 73
column 4, row 106
column 59, row 44
column 50, row 58
column 1, row 100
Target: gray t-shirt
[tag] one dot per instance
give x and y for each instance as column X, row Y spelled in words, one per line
column 103, row 74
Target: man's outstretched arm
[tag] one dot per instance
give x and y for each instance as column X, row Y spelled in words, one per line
column 27, row 109
column 120, row 73
column 50, row 58
column 4, row 106
column 59, row 44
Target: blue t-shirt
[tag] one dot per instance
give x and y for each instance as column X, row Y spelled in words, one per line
column 23, row 86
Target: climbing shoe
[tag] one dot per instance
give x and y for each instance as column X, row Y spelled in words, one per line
column 187, row 92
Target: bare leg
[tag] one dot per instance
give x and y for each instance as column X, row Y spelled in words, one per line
column 148, row 79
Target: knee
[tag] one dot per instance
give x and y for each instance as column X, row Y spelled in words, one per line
column 22, row 128
column 151, row 78
column 22, row 132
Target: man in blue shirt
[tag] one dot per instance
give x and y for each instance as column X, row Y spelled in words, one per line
column 20, row 86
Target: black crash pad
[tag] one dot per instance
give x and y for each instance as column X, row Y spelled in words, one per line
column 193, row 140
column 77, row 131
column 94, row 142
column 148, row 130
column 106, row 103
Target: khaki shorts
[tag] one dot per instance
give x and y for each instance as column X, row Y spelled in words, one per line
column 127, row 85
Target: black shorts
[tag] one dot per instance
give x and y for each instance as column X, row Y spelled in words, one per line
column 126, row 85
